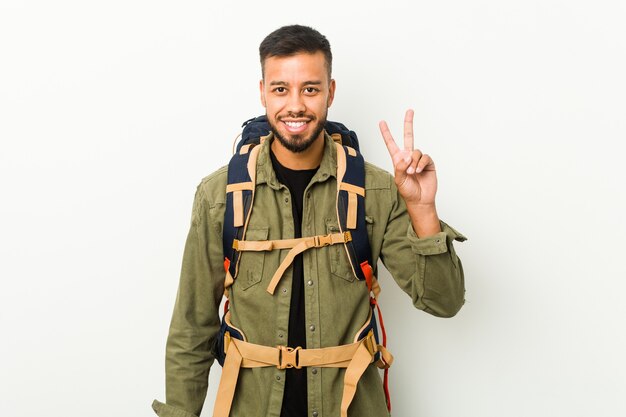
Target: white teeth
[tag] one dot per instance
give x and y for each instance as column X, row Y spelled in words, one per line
column 295, row 125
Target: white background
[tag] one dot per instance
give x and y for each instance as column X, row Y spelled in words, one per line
column 111, row 113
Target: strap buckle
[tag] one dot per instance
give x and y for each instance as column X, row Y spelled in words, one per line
column 288, row 357
column 325, row 240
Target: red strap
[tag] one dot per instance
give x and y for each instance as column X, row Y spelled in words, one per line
column 369, row 274
column 386, row 387
column 226, row 305
column 380, row 319
column 382, row 328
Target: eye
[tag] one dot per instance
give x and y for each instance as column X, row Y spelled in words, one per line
column 279, row 90
column 311, row 90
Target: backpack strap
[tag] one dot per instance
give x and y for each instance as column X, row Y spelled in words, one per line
column 350, row 207
column 351, row 212
column 239, row 202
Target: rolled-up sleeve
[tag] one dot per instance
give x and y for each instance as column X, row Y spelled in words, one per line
column 436, row 244
column 164, row 410
column 427, row 269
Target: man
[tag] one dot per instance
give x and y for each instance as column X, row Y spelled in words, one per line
column 318, row 304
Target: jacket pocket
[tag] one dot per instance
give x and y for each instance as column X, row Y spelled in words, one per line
column 338, row 256
column 251, row 263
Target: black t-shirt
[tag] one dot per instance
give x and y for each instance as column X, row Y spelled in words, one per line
column 295, row 396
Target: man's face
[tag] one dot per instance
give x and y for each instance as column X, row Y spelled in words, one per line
column 296, row 92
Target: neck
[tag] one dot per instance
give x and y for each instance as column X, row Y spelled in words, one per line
column 308, row 159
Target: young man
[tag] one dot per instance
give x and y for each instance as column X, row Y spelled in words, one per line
column 317, row 305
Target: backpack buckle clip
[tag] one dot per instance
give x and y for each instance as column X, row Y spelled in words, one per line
column 288, row 357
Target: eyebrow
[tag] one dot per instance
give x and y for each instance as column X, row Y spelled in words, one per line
column 283, row 83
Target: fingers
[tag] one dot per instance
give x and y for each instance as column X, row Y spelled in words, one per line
column 407, row 161
column 415, row 158
column 419, row 163
column 425, row 164
column 408, row 131
column 389, row 141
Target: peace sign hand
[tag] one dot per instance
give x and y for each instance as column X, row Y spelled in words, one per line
column 415, row 174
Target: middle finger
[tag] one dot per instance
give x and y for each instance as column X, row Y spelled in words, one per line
column 408, row 130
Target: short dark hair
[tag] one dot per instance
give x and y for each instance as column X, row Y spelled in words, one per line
column 290, row 40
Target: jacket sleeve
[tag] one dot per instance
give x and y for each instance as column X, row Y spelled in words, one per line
column 427, row 269
column 195, row 320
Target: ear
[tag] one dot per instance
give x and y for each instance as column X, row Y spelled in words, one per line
column 331, row 92
column 262, row 91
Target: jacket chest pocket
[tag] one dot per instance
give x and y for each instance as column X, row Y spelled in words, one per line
column 251, row 263
column 338, row 256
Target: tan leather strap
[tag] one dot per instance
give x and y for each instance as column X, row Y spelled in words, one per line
column 352, row 189
column 355, row 357
column 239, row 186
column 297, row 246
column 268, row 245
column 352, row 205
column 228, row 382
column 238, row 209
column 386, row 358
column 304, row 244
column 355, row 369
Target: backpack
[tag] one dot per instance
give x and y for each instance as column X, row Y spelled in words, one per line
column 351, row 220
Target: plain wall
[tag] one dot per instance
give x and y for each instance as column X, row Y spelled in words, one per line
column 111, row 113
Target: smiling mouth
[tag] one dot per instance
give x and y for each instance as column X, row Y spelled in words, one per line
column 296, row 127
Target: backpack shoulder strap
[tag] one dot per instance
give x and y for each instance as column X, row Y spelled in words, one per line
column 351, row 211
column 239, row 201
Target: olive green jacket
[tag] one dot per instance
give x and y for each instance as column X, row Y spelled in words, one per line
column 336, row 304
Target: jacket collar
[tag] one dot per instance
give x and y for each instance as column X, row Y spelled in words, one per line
column 265, row 171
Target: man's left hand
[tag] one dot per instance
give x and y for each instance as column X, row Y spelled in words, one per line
column 415, row 174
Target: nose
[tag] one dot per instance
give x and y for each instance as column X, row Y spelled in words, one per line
column 295, row 103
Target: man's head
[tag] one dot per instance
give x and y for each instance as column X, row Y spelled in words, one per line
column 296, row 89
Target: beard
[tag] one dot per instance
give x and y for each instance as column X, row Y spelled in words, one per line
column 298, row 143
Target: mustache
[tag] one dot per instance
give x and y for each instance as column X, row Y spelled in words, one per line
column 300, row 115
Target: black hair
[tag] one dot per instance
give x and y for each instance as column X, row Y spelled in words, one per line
column 290, row 40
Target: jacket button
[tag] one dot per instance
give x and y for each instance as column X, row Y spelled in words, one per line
column 315, row 414
column 277, row 377
column 314, row 371
column 312, row 328
column 309, row 283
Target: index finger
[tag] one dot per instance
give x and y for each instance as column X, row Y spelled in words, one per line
column 408, row 130
column 389, row 141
